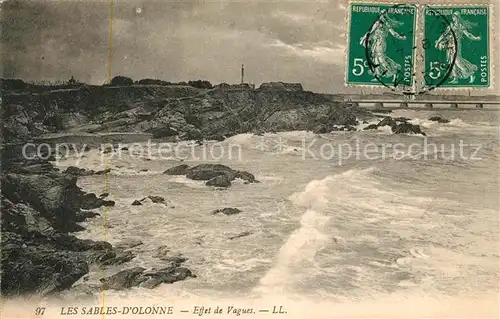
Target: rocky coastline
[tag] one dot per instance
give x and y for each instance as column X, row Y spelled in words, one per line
column 41, row 206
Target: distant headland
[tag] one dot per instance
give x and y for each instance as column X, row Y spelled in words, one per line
column 19, row 86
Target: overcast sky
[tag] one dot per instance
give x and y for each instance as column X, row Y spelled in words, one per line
column 291, row 41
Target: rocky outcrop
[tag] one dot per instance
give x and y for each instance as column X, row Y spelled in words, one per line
column 180, row 112
column 168, row 122
column 205, row 172
column 83, row 215
column 91, row 201
column 387, row 121
column 124, row 279
column 129, row 243
column 281, row 86
column 240, row 235
column 39, row 206
column 246, row 176
column 139, row 277
column 37, row 169
column 36, row 257
column 218, row 113
column 72, row 170
column 154, row 199
column 17, row 126
column 177, row 170
column 407, row 128
column 53, row 196
column 398, row 126
column 226, row 211
column 439, row 119
column 38, row 269
column 74, row 119
column 339, row 118
column 220, row 181
column 215, row 174
column 371, row 127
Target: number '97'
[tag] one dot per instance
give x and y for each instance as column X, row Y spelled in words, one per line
column 39, row 311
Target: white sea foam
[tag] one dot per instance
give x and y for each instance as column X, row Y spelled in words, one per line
column 420, row 229
column 459, row 123
column 423, row 122
column 309, row 238
column 180, row 179
column 127, row 171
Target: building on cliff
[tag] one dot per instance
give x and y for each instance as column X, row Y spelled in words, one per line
column 241, row 86
column 281, row 86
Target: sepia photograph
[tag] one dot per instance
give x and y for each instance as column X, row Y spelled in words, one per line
column 250, row 158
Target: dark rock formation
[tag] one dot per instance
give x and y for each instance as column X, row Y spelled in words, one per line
column 227, row 211
column 439, row 119
column 177, row 260
column 123, row 279
column 220, row 181
column 38, row 269
column 53, row 196
column 129, row 243
column 91, row 201
column 17, row 124
column 84, row 215
column 177, row 170
column 154, row 199
column 39, row 205
column 147, row 279
column 36, row 257
column 400, row 126
column 387, row 121
column 371, row 127
column 402, row 119
column 340, row 118
column 37, row 169
column 166, row 275
column 246, row 176
column 207, row 172
column 83, row 172
column 407, row 128
column 121, row 80
column 281, row 86
column 181, row 111
column 242, row 234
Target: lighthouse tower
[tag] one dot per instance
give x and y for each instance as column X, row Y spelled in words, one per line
column 242, row 73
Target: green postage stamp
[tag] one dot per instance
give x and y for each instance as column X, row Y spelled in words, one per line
column 452, row 44
column 381, row 45
column 457, row 48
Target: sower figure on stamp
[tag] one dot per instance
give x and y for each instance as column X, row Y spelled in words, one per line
column 384, row 66
column 462, row 69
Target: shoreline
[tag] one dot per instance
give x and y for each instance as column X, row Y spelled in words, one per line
column 213, row 116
